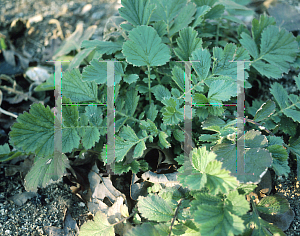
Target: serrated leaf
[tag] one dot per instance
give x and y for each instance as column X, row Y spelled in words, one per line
column 205, row 171
column 172, row 114
column 200, row 13
column 160, row 92
column 137, row 12
column 90, row 136
column 266, row 110
column 187, row 43
column 34, row 131
column 218, row 221
column 278, row 47
column 163, row 139
column 152, row 112
column 73, row 87
column 94, row 115
column 183, row 19
column 139, row 149
column 131, row 101
column 149, row 126
column 282, row 99
column 70, row 139
column 202, row 67
column 178, row 77
column 125, row 141
column 99, row 226
column 96, row 72
column 155, row 208
column 46, row 171
column 145, row 48
column 280, row 159
column 70, row 113
column 121, row 167
column 221, row 89
column 160, row 27
column 222, row 60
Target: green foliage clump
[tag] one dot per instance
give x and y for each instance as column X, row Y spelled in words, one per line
column 150, row 89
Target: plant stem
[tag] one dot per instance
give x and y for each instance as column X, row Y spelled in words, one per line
column 149, row 82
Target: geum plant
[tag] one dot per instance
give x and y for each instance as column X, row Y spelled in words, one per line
column 206, row 197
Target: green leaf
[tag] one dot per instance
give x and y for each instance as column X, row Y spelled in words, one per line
column 94, row 115
column 280, row 159
column 97, row 72
column 223, row 64
column 145, row 48
column 103, row 47
column 160, row 27
column 256, row 160
column 69, row 113
column 221, row 89
column 178, row 77
column 167, row 10
column 265, row 111
column 218, row 221
column 206, row 171
column 145, row 229
column 155, row 208
column 160, row 92
column 183, row 19
column 125, row 141
column 46, row 171
column 200, row 13
column 6, row 154
column 258, row 26
column 163, row 139
column 131, row 101
column 137, row 12
column 172, row 114
column 283, row 100
column 187, row 43
column 77, row 90
column 278, row 47
column 121, row 167
column 34, row 131
column 99, row 226
column 202, row 67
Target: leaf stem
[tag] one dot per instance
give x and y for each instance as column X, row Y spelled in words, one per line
column 149, row 83
column 176, row 213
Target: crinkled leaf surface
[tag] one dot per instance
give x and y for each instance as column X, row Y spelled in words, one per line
column 34, row 131
column 73, row 87
column 218, row 221
column 206, row 171
column 145, row 48
column 155, row 208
